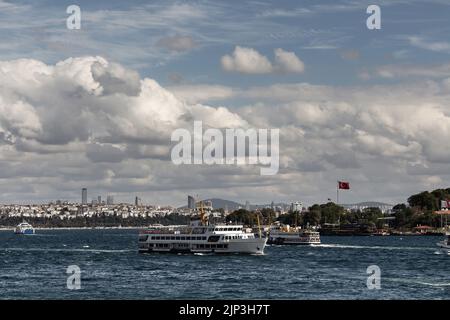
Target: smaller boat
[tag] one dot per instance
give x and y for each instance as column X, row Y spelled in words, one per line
column 293, row 235
column 381, row 232
column 24, row 228
column 445, row 244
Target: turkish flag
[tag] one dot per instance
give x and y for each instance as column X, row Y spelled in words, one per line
column 344, row 185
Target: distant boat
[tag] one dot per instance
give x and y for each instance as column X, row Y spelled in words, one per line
column 290, row 235
column 445, row 244
column 24, row 228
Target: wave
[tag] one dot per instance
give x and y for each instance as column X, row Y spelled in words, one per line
column 345, row 246
column 68, row 250
column 416, row 281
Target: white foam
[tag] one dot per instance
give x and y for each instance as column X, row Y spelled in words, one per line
column 345, row 246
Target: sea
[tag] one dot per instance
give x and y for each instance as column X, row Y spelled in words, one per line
column 41, row 266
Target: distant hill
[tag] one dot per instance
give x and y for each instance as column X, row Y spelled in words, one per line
column 232, row 205
column 221, row 203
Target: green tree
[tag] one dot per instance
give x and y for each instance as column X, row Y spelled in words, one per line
column 424, row 201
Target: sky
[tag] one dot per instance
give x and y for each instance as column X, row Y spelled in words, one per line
column 96, row 107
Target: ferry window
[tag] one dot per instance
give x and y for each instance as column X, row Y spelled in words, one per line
column 203, row 238
column 182, row 238
column 177, row 238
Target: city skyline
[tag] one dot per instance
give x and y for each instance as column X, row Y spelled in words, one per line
column 96, row 107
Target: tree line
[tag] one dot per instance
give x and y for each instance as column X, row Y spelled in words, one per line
column 419, row 210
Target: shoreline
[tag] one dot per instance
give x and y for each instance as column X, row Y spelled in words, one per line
column 73, row 228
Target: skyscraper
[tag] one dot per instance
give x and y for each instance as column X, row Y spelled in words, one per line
column 247, row 205
column 110, row 200
column 191, row 202
column 137, row 201
column 99, row 199
column 84, row 196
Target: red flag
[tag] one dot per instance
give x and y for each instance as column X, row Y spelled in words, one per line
column 344, row 185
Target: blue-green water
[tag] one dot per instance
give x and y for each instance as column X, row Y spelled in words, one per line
column 34, row 267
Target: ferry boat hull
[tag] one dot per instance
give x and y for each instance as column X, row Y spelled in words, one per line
column 445, row 247
column 25, row 232
column 253, row 246
column 294, row 238
column 206, row 239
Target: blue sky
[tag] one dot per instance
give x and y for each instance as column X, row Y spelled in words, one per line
column 330, row 37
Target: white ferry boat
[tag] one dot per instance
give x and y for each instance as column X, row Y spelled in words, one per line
column 201, row 237
column 445, row 244
column 288, row 235
column 24, row 228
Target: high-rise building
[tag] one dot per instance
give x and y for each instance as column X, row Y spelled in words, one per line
column 109, row 200
column 84, row 196
column 137, row 201
column 296, row 206
column 99, row 199
column 191, row 202
column 247, row 205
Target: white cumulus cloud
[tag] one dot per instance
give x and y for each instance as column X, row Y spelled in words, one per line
column 249, row 61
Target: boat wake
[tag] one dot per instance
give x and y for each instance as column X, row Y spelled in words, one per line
column 66, row 250
column 419, row 282
column 344, row 246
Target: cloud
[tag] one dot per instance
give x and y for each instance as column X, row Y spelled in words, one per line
column 246, row 60
column 87, row 121
column 351, row 54
column 201, row 93
column 177, row 43
column 437, row 46
column 287, row 62
column 249, row 61
column 408, row 71
column 89, row 100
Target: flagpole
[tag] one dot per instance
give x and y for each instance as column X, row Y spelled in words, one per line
column 337, row 193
